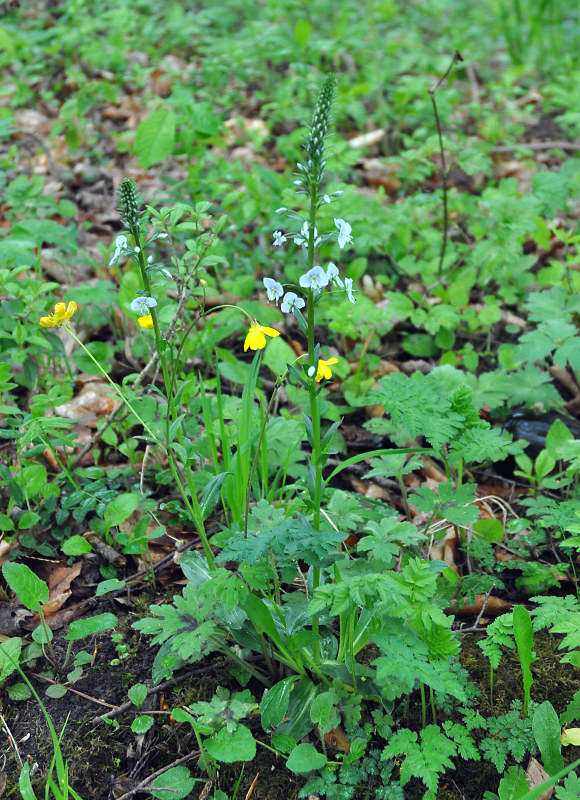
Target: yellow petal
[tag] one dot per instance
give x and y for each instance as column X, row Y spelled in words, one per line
column 47, row 322
column 70, row 309
column 255, row 339
column 146, row 321
column 269, row 331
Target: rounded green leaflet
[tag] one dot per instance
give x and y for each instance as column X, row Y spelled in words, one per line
column 305, row 758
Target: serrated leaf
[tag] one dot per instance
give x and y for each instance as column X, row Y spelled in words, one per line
column 230, row 747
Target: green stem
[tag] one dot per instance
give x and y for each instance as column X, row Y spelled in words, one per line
column 191, row 501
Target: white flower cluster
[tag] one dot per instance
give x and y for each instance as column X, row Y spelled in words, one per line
column 316, row 279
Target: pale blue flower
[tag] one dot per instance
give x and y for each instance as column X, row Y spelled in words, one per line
column 302, row 237
column 297, row 183
column 315, row 278
column 279, row 239
column 165, row 272
column 141, row 305
column 311, row 372
column 281, row 210
column 275, row 290
column 162, row 235
column 344, row 230
column 333, row 275
column 137, row 249
column 348, row 289
column 120, row 246
column 327, row 199
column 290, row 302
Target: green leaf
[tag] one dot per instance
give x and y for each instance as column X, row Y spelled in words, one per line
column 109, row 586
column 137, row 694
column 230, row 747
column 55, row 691
column 175, row 784
column 9, row 655
column 524, row 638
column 100, row 351
column 275, row 703
column 155, row 137
column 547, row 732
column 24, row 783
column 120, row 509
column 142, row 723
column 302, row 31
column 6, row 523
column 514, row 785
column 304, row 759
column 76, row 546
column 557, row 439
column 28, row 520
column 90, row 626
column 18, row 691
column 489, row 529
column 31, row 590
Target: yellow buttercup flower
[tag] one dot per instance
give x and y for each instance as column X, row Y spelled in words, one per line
column 256, row 338
column 324, row 373
column 146, row 321
column 62, row 313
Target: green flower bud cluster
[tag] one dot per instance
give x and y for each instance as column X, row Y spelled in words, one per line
column 130, row 203
column 313, row 170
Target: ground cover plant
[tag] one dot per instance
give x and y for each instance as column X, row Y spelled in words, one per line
column 290, row 385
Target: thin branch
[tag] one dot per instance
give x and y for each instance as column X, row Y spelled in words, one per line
column 455, row 58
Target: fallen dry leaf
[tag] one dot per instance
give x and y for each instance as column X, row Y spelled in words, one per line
column 494, row 608
column 445, row 549
column 536, row 774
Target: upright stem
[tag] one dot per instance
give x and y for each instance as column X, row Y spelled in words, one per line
column 191, row 502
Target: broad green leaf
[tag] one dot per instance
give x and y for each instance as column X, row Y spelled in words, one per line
column 142, row 723
column 55, row 691
column 90, row 626
column 302, row 31
column 275, row 703
column 120, row 509
column 75, row 546
column 109, row 586
column 547, row 732
column 137, row 694
column 155, row 137
column 18, row 691
column 31, row 590
column 9, row 655
column 229, row 747
column 175, row 784
column 489, row 529
column 304, row 759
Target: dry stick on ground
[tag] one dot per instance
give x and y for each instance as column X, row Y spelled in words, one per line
column 475, row 629
column 11, row 739
column 162, row 687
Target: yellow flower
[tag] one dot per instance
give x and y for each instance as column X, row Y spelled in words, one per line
column 256, row 340
column 324, row 372
column 62, row 313
column 146, row 321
